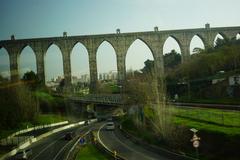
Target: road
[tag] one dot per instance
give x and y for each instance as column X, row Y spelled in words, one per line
column 126, row 148
column 55, row 147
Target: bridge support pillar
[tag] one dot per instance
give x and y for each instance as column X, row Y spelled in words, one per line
column 121, row 69
column 93, row 70
column 185, row 53
column 67, row 70
column 159, row 78
column 14, row 66
column 40, row 66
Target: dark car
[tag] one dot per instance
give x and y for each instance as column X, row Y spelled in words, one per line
column 69, row 136
column 23, row 154
column 86, row 123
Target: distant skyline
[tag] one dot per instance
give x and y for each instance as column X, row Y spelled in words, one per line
column 50, row 18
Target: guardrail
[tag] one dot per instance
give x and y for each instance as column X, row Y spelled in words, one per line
column 9, row 139
column 33, row 140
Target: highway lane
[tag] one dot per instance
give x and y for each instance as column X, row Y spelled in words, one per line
column 55, row 147
column 126, row 148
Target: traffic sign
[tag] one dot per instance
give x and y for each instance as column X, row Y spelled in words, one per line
column 196, row 144
column 82, row 141
column 195, row 140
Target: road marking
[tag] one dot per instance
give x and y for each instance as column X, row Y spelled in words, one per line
column 120, row 142
column 133, row 150
column 66, row 145
column 98, row 134
column 47, row 148
column 61, row 150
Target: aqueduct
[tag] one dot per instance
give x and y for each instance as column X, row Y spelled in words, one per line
column 120, row 42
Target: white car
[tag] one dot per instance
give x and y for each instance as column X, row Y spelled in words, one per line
column 110, row 126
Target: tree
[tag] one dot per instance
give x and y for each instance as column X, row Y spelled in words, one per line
column 149, row 67
column 61, row 86
column 30, row 76
column 31, row 80
column 171, row 59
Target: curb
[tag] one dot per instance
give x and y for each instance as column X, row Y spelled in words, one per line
column 33, row 140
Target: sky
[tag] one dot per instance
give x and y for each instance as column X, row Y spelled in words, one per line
column 47, row 18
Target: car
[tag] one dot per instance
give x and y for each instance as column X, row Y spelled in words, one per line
column 86, row 122
column 69, row 136
column 23, row 154
column 110, row 126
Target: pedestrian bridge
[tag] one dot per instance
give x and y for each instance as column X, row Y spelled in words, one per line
column 106, row 99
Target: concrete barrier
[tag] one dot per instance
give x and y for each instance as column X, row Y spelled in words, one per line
column 9, row 138
column 33, row 140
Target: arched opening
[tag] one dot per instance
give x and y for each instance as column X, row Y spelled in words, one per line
column 238, row 36
column 138, row 53
column 80, row 69
column 171, row 53
column 53, row 67
column 4, row 65
column 196, row 45
column 218, row 40
column 107, row 68
column 140, row 77
column 27, row 61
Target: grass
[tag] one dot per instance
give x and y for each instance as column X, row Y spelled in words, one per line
column 89, row 152
column 44, row 96
column 212, row 120
column 49, row 118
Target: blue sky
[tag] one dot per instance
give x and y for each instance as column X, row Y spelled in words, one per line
column 46, row 18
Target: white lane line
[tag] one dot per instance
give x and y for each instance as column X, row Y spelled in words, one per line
column 131, row 149
column 61, row 150
column 46, row 148
column 98, row 134
column 64, row 148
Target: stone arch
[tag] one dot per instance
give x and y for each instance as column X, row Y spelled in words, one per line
column 145, row 42
column 172, row 45
column 5, row 63
column 26, row 46
column 197, row 40
column 219, row 35
column 79, row 56
column 142, row 47
column 104, row 41
column 108, row 48
column 176, row 40
column 50, row 45
column 53, row 70
column 28, row 56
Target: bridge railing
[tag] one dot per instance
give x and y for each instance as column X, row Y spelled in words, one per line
column 100, row 98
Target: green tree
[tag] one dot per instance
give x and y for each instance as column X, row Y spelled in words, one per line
column 31, row 80
column 171, row 59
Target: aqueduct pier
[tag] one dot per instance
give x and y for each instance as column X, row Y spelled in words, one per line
column 119, row 41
